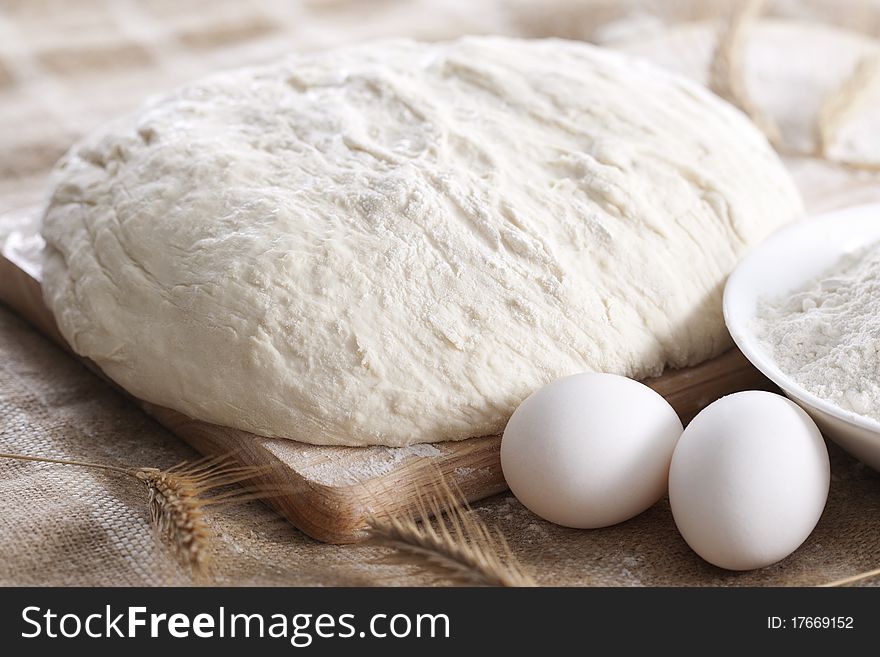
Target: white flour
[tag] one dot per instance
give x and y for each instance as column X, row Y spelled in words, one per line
column 827, row 336
column 371, row 462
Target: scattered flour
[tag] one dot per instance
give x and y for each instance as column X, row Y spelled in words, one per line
column 372, row 462
column 827, row 335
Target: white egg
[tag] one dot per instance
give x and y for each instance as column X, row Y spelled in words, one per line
column 749, row 480
column 590, row 450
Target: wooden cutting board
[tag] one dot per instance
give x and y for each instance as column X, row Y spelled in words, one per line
column 333, row 490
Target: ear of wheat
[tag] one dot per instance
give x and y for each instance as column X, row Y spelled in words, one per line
column 456, row 546
column 178, row 497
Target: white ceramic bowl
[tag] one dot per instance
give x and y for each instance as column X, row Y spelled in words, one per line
column 784, row 263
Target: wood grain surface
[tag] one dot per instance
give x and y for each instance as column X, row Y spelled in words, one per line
column 331, row 491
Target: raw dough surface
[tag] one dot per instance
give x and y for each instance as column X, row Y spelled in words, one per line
column 398, row 242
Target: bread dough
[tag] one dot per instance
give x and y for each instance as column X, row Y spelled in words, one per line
column 398, row 242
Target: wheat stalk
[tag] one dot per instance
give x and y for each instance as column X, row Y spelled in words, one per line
column 727, row 79
column 727, row 68
column 839, row 105
column 457, row 546
column 852, row 579
column 177, row 498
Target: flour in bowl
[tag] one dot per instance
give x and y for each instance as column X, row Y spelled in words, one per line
column 826, row 336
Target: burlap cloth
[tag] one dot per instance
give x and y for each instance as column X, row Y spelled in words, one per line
column 67, row 65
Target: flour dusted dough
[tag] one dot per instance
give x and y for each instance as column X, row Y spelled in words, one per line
column 397, row 242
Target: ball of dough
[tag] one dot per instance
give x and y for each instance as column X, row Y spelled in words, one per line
column 398, row 242
column 590, row 450
column 749, row 480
